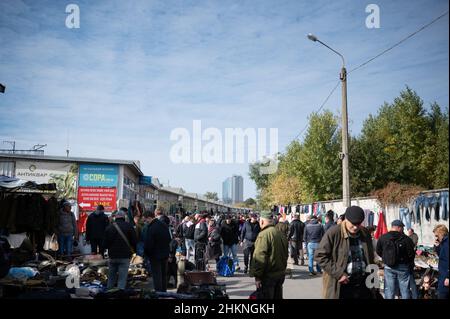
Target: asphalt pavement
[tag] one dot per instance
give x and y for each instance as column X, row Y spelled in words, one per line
column 300, row 286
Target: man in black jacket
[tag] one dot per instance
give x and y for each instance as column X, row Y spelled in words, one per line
column 329, row 222
column 120, row 240
column 312, row 237
column 295, row 237
column 201, row 240
column 249, row 232
column 156, row 248
column 96, row 225
column 229, row 231
column 397, row 252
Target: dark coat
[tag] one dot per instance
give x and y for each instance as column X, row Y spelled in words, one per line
column 116, row 245
column 442, row 250
column 328, row 226
column 230, row 233
column 408, row 255
column 296, row 230
column 214, row 243
column 250, row 231
column 332, row 256
column 313, row 232
column 201, row 232
column 96, row 226
column 157, row 240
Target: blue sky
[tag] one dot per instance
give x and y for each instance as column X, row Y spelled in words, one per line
column 136, row 70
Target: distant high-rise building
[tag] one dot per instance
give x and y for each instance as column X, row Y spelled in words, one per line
column 226, row 191
column 233, row 190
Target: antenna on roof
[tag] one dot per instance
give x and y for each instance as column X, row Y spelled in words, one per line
column 67, row 145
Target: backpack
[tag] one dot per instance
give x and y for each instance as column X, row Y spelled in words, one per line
column 226, row 267
column 396, row 251
column 190, row 231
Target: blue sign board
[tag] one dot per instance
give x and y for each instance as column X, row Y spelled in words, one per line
column 98, row 175
column 145, row 180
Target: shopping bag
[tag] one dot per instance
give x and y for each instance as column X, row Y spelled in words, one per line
column 51, row 243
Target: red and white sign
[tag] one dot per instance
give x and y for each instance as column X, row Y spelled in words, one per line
column 90, row 197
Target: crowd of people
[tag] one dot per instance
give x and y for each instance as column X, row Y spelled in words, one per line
column 338, row 250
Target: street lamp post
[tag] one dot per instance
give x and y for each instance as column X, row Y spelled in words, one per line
column 344, row 155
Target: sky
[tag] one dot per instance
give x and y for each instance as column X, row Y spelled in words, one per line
column 136, row 70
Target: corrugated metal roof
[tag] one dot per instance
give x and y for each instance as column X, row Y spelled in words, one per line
column 134, row 164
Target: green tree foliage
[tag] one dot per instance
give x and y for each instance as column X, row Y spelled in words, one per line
column 250, row 202
column 403, row 143
column 261, row 180
column 211, row 196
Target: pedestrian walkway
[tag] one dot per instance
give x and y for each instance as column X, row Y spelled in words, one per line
column 300, row 286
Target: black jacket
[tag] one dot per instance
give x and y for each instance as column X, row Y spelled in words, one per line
column 214, row 243
column 157, row 241
column 250, row 231
column 201, row 232
column 313, row 232
column 406, row 256
column 296, row 230
column 229, row 233
column 328, row 225
column 96, row 226
column 164, row 219
column 116, row 245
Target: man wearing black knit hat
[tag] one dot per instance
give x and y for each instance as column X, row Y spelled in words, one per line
column 344, row 253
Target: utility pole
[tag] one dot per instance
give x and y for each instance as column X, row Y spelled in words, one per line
column 346, row 198
column 344, row 156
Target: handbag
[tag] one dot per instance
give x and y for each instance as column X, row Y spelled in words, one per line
column 51, row 243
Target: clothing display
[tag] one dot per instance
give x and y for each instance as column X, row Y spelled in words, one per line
column 428, row 207
column 28, row 213
column 381, row 226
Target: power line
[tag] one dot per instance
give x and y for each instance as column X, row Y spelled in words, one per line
column 398, row 43
column 373, row 58
column 320, row 108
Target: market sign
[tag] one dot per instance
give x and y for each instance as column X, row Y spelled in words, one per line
column 90, row 197
column 64, row 175
column 98, row 175
column 145, row 180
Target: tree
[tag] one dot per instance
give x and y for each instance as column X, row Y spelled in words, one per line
column 261, row 180
column 212, row 196
column 318, row 163
column 436, row 157
column 399, row 144
column 250, row 202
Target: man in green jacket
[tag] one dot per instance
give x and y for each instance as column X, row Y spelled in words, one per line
column 344, row 254
column 269, row 262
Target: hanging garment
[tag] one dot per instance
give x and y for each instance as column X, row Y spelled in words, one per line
column 366, row 217
column 418, row 204
column 426, row 207
column 444, row 205
column 297, row 209
column 376, row 217
column 381, row 228
column 405, row 217
column 81, row 222
column 370, row 219
column 436, row 207
column 411, row 211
